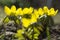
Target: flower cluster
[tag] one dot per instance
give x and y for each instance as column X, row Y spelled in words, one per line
column 29, row 15
column 18, row 11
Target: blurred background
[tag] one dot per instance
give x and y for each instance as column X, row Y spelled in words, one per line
column 33, row 3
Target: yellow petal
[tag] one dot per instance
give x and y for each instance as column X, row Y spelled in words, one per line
column 51, row 12
column 25, row 10
column 7, row 10
column 45, row 9
column 13, row 9
column 30, row 10
column 25, row 22
column 56, row 11
column 33, row 18
column 36, row 13
column 52, row 9
column 19, row 11
column 40, row 11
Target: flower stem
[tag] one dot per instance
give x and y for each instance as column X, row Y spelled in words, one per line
column 48, row 33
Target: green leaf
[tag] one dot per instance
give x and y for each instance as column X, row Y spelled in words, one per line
column 21, row 38
column 6, row 20
column 40, row 28
column 36, row 30
column 36, row 36
column 18, row 21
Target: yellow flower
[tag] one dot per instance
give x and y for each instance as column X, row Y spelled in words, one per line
column 52, row 12
column 25, row 22
column 30, row 10
column 33, row 18
column 19, row 11
column 7, row 10
column 45, row 9
column 13, row 9
column 36, row 13
column 25, row 10
column 19, row 33
column 40, row 11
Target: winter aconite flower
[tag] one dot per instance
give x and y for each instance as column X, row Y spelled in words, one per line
column 40, row 11
column 45, row 9
column 19, row 11
column 33, row 18
column 28, row 21
column 52, row 12
column 36, row 13
column 25, row 22
column 13, row 11
column 9, row 11
column 28, row 10
column 31, row 10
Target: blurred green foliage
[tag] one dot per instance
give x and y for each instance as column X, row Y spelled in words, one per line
column 6, row 2
column 22, row 3
column 18, row 3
